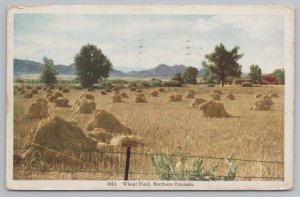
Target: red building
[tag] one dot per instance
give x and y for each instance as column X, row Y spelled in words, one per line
column 270, row 79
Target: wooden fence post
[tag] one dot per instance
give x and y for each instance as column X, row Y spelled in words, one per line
column 127, row 163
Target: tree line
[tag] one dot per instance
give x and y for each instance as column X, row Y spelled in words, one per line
column 92, row 65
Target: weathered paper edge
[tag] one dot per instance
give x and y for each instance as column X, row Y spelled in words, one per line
column 288, row 13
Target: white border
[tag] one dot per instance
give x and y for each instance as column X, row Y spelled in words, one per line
column 286, row 11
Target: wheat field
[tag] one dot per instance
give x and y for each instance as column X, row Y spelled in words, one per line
column 165, row 127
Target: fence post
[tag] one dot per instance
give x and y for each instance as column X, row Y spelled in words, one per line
column 127, row 163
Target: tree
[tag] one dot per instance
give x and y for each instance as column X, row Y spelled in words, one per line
column 178, row 77
column 190, row 75
column 279, row 74
column 48, row 74
column 210, row 78
column 91, row 65
column 255, row 73
column 223, row 63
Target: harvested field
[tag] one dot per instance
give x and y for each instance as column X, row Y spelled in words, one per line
column 164, row 126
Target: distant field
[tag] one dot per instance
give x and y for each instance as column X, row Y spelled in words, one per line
column 70, row 77
column 36, row 76
column 165, row 126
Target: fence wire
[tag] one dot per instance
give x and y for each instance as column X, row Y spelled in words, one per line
column 95, row 169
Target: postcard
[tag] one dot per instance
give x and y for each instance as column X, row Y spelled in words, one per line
column 150, row 97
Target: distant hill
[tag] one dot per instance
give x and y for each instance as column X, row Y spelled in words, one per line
column 22, row 67
column 31, row 67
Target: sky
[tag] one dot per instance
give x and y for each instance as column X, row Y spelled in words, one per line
column 135, row 42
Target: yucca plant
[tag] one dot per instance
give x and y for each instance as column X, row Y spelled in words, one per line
column 164, row 167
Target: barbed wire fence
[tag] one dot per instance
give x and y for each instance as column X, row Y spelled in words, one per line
column 126, row 164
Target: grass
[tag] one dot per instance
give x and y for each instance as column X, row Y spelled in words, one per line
column 164, row 126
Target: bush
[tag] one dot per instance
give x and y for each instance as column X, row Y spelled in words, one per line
column 164, row 167
column 119, row 81
column 103, row 84
column 155, row 82
column 247, row 84
column 210, row 85
column 19, row 81
column 139, row 84
column 172, row 83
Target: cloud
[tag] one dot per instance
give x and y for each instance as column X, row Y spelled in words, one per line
column 254, row 27
column 205, row 25
column 164, row 39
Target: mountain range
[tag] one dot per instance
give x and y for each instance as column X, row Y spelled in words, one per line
column 25, row 67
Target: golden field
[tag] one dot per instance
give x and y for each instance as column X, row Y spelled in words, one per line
column 166, row 126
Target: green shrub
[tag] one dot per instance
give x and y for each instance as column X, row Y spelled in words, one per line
column 247, row 84
column 210, row 85
column 139, row 84
column 172, row 83
column 18, row 80
column 155, row 82
column 118, row 81
column 164, row 167
column 102, row 84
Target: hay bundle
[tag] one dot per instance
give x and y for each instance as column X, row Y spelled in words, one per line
column 28, row 87
column 78, row 88
column 132, row 89
column 262, row 103
column 90, row 89
column 124, row 95
column 52, row 98
column 38, row 87
column 108, row 90
column 101, row 135
column 28, row 95
column 19, row 89
column 103, row 93
column 217, row 92
column 105, row 147
column 154, row 93
column 87, row 96
column 23, row 92
column 60, row 88
column 38, row 109
column 65, row 90
column 214, row 109
column 140, row 99
column 229, row 96
column 116, row 92
column 49, row 91
column 138, row 91
column 84, row 106
column 162, row 90
column 34, row 91
column 140, row 95
column 62, row 102
column 256, row 96
column 58, row 135
column 215, row 96
column 117, row 99
column 58, row 94
column 48, row 95
column 190, row 94
column 174, row 98
column 107, row 121
column 272, row 95
column 51, row 87
column 115, row 89
column 126, row 141
column 197, row 101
